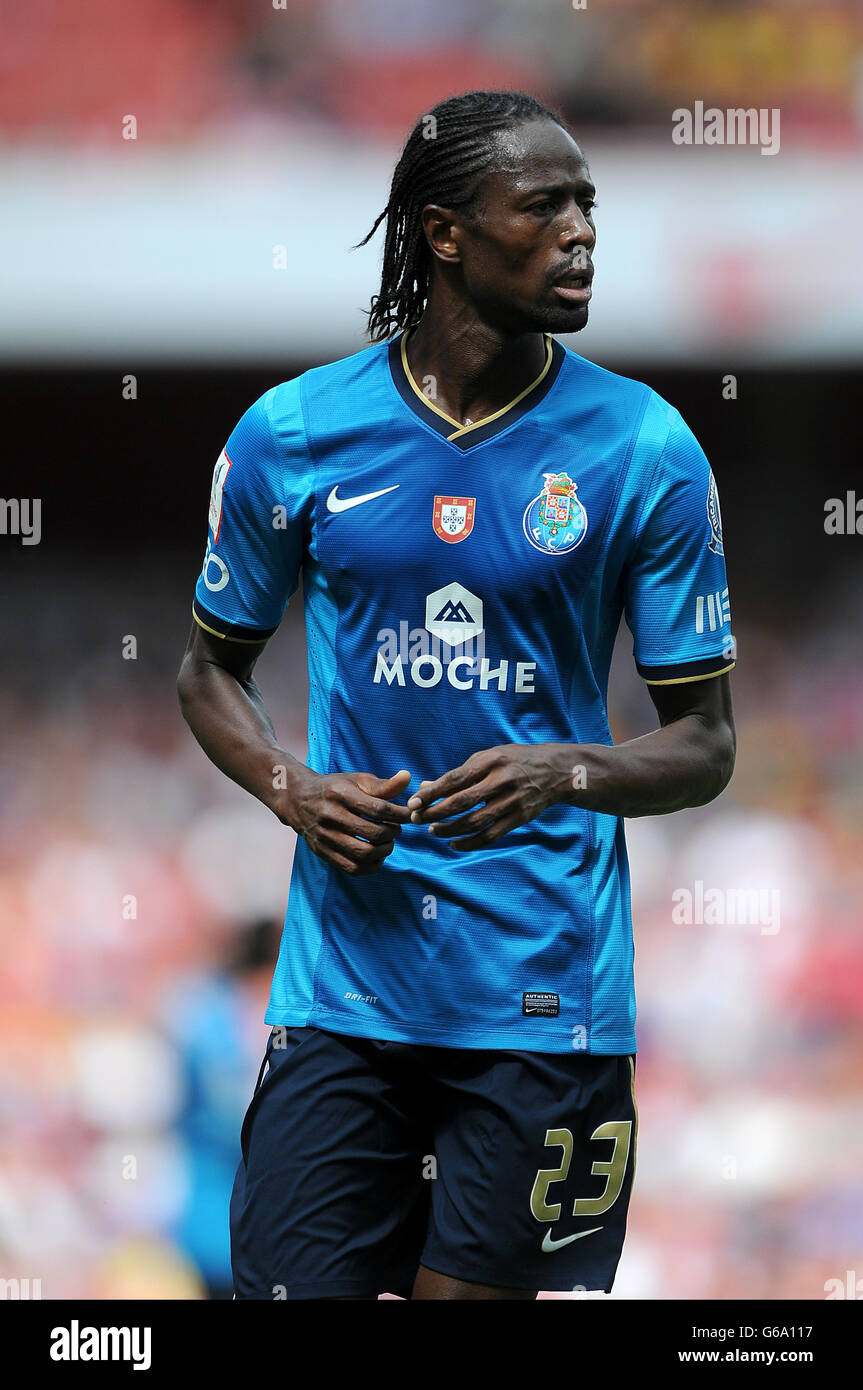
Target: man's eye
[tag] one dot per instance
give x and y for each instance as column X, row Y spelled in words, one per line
column 548, row 206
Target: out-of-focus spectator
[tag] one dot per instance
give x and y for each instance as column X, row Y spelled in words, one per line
column 183, row 67
column 214, row 1020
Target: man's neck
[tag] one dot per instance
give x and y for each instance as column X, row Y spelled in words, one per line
column 469, row 370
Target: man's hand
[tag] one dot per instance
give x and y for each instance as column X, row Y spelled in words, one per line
column 493, row 792
column 346, row 818
column 686, row 762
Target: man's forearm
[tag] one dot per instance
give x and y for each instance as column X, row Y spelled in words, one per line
column 685, row 763
column 230, row 721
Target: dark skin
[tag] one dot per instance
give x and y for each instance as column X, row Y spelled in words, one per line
column 347, row 818
column 494, row 291
column 495, row 268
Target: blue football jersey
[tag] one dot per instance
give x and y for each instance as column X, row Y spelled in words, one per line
column 463, row 587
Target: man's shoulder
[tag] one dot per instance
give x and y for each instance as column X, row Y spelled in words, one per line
column 585, row 381
column 328, row 381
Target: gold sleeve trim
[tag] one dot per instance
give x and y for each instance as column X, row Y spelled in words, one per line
column 226, row 637
column 684, row 680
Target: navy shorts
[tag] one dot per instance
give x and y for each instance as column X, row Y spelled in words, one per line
column 364, row 1159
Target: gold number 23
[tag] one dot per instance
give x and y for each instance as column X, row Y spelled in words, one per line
column 613, row 1171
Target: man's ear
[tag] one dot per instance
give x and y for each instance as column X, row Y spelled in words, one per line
column 441, row 231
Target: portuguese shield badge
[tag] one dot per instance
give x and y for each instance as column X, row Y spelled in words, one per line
column 453, row 518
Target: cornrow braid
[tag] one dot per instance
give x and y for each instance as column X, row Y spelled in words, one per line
column 445, row 154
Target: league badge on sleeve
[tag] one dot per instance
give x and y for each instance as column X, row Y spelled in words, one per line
column 452, row 518
column 220, row 473
column 714, row 516
column 555, row 521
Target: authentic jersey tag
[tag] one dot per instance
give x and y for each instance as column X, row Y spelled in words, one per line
column 546, row 1005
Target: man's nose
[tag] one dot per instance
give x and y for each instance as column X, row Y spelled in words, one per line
column 577, row 231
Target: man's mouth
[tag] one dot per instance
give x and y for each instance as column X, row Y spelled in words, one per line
column 574, row 287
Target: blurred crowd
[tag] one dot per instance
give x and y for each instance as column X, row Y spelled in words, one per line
column 72, row 73
column 141, row 896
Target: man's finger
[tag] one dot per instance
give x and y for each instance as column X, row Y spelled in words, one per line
column 362, row 827
column 478, row 819
column 490, row 835
column 354, row 855
column 454, row 780
column 454, row 805
column 459, row 779
column 384, row 787
column 371, row 793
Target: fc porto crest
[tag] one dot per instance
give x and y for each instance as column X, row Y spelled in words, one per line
column 555, row 521
column 453, row 518
column 714, row 516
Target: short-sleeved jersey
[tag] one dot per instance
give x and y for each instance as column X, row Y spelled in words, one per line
column 463, row 588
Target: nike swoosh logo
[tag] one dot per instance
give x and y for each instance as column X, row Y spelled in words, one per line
column 344, row 504
column 549, row 1245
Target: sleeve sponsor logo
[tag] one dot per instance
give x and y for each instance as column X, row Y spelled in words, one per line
column 712, row 611
column 215, row 571
column 220, row 473
column 714, row 516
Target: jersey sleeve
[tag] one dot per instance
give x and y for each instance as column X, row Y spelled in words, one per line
column 259, row 504
column 676, row 600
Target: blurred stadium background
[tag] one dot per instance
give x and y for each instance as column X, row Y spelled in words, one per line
column 140, row 892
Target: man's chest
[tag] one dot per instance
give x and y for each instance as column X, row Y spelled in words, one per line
column 525, row 516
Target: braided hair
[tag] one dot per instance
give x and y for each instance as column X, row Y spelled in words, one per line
column 443, row 159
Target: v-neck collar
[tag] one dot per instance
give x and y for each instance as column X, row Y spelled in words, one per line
column 466, row 436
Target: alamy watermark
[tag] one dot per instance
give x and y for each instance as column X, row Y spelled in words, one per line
column 735, row 126
column 21, row 516
column 726, row 907
column 843, row 516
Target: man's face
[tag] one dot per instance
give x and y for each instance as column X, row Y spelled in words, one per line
column 525, row 244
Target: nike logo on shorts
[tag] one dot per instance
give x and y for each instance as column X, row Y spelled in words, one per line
column 549, row 1245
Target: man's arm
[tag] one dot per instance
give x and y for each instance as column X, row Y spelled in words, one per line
column 345, row 818
column 686, row 762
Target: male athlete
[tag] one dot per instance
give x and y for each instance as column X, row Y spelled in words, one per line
column 445, row 1108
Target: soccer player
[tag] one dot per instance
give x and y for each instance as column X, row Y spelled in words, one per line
column 445, row 1108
